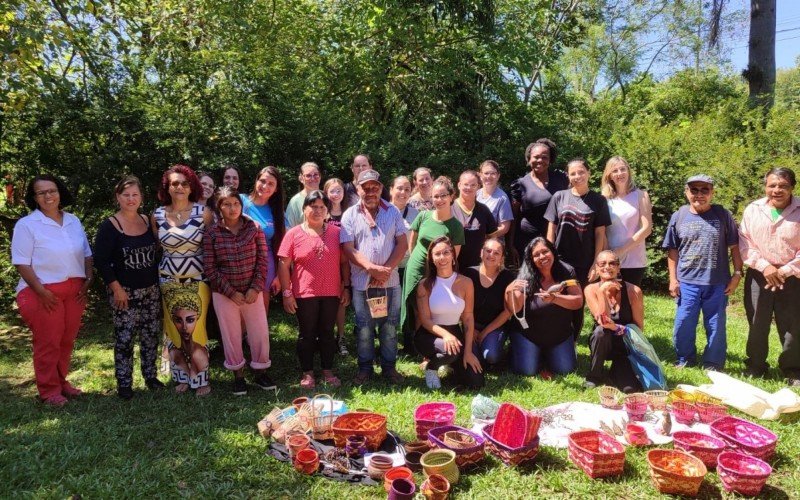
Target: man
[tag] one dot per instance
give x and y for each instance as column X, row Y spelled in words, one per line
column 309, row 178
column 361, row 163
column 769, row 239
column 374, row 239
column 698, row 238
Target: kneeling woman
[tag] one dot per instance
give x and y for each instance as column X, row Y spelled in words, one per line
column 546, row 331
column 613, row 304
column 445, row 299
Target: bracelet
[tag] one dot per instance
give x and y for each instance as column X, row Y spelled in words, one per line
column 619, row 329
column 287, row 293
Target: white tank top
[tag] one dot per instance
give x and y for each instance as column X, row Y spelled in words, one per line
column 625, row 221
column 446, row 307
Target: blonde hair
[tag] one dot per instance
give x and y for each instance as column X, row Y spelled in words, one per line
column 607, row 187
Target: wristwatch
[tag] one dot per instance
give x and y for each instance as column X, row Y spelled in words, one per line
column 738, row 273
column 287, row 293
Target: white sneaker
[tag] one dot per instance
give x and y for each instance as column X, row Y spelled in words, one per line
column 432, row 379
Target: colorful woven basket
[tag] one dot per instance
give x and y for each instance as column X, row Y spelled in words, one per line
column 684, row 412
column 745, row 436
column 709, row 412
column 515, row 427
column 676, row 472
column 370, row 425
column 610, row 397
column 322, row 416
column 436, row 487
column 681, row 395
column 428, row 416
column 510, row 456
column 597, row 453
column 636, row 405
column 466, row 456
column 442, row 462
column 657, row 399
column 706, row 448
column 400, row 472
column 742, row 473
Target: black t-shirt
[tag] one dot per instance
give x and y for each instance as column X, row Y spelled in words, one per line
column 548, row 324
column 489, row 302
column 131, row 260
column 576, row 218
column 476, row 226
column 533, row 202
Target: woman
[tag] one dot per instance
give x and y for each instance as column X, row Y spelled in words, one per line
column 613, row 304
column 309, row 178
column 476, row 218
column 265, row 206
column 399, row 192
column 429, row 225
column 423, row 182
column 489, row 281
column 52, row 255
column 445, row 301
column 230, row 175
column 314, row 290
column 179, row 224
column 631, row 218
column 207, row 183
column 545, row 333
column 235, row 263
column 125, row 255
column 495, row 199
column 530, row 194
column 334, row 189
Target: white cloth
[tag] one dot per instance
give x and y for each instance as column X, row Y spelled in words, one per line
column 748, row 398
column 55, row 252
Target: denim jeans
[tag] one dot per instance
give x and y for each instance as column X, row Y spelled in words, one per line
column 712, row 301
column 387, row 330
column 526, row 356
column 490, row 350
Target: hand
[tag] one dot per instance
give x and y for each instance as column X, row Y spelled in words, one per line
column 251, row 296
column 289, row 305
column 547, row 297
column 120, row 299
column 610, row 290
column 49, row 300
column 237, row 298
column 732, row 284
column 470, row 360
column 345, row 300
column 774, row 277
column 275, row 287
column 674, row 288
column 379, row 273
column 451, row 344
column 83, row 293
column 373, row 283
column 518, row 285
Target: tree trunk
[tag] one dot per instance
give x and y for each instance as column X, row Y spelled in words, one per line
column 760, row 72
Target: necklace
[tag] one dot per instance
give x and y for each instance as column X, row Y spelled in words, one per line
column 178, row 213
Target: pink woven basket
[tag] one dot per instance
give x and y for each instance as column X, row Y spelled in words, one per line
column 466, row 457
column 706, row 448
column 709, row 412
column 742, row 473
column 597, row 453
column 510, row 456
column 684, row 412
column 428, row 416
column 745, row 436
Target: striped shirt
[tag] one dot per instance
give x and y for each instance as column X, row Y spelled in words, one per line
column 376, row 244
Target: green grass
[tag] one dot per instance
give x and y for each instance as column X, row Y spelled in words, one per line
column 162, row 444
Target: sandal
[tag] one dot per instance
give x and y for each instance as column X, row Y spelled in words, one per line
column 70, row 391
column 331, row 379
column 181, row 388
column 203, row 391
column 307, row 382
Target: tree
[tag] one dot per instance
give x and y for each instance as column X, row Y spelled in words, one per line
column 760, row 72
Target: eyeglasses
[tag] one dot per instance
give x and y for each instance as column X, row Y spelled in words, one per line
column 311, row 176
column 610, row 263
column 440, row 196
column 46, row 192
column 699, row 190
column 490, row 173
column 183, row 184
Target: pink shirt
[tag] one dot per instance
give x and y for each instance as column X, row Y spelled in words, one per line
column 764, row 242
column 316, row 262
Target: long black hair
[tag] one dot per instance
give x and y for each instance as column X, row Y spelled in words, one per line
column 529, row 272
column 65, row 197
column 430, row 267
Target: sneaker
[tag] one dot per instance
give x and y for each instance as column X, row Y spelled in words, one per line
column 432, row 379
column 154, row 384
column 712, row 368
column 588, row 384
column 393, row 376
column 444, row 371
column 343, row 349
column 125, row 393
column 307, row 382
column 239, row 387
column 265, row 382
column 793, row 381
column 682, row 363
column 361, row 378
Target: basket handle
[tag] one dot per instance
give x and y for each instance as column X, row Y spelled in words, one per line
column 385, row 292
column 322, row 397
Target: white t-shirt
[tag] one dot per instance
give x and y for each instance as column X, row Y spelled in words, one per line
column 55, row 252
column 498, row 204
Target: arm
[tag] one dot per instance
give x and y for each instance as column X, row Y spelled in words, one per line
column 22, row 244
column 457, row 249
column 551, row 232
column 88, row 266
column 672, row 266
column 496, row 323
column 645, row 225
column 571, row 299
column 637, row 305
column 208, row 217
column 412, row 240
column 502, row 229
column 219, row 283
column 258, row 281
column 468, row 323
column 400, row 249
column 736, row 257
column 344, row 274
column 599, row 240
column 289, row 304
column 512, row 251
column 514, row 299
column 103, row 252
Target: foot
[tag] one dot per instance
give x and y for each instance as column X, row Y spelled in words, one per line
column 331, row 379
column 203, row 391
column 432, row 379
column 343, row 348
column 125, row 393
column 265, row 382
column 181, row 388
column 588, row 384
column 56, row 401
column 154, row 384
column 361, row 378
column 682, row 363
column 712, row 368
column 239, row 387
column 424, row 365
column 70, row 391
column 307, row 382
column 393, row 376
column 793, row 381
column 755, row 373
column 546, row 375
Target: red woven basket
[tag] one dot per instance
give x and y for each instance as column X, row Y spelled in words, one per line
column 745, row 436
column 709, row 412
column 465, row 457
column 370, row 425
column 510, row 456
column 742, row 473
column 675, row 472
column 706, row 448
column 684, row 412
column 428, row 416
column 515, row 427
column 597, row 453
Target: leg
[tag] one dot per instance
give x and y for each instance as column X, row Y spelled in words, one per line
column 326, row 341
column 467, row 376
column 787, row 318
column 600, row 348
column 524, row 355
column 73, row 311
column 180, row 369
column 387, row 331
column 365, row 349
column 340, row 314
column 229, row 316
column 432, row 347
column 124, row 326
column 685, row 329
column 258, row 334
column 307, row 314
column 562, row 358
column 622, row 375
column 47, row 328
column 758, row 305
column 714, row 315
column 633, row 275
column 490, row 351
column 149, row 326
column 200, row 362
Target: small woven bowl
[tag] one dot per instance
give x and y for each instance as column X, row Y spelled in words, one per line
column 708, row 412
column 657, row 399
column 610, row 397
column 684, row 412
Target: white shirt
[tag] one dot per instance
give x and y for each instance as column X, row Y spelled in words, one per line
column 55, row 252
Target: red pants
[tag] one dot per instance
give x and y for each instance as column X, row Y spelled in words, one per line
column 54, row 333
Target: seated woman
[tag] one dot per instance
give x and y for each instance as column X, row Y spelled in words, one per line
column 489, row 281
column 546, row 331
column 613, row 304
column 444, row 298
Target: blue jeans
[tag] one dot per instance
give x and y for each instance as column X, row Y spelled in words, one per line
column 490, row 350
column 387, row 329
column 526, row 356
column 712, row 301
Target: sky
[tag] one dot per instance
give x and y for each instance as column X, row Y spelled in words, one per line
column 787, row 37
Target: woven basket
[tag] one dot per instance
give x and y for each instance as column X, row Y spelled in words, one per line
column 510, row 456
column 370, row 425
column 745, row 436
column 684, row 412
column 610, row 397
column 742, row 473
column 420, row 446
column 379, row 464
column 378, row 306
column 706, row 448
column 322, row 422
column 442, row 462
column 681, row 395
column 436, row 487
column 400, row 472
column 702, row 397
column 598, row 454
column 657, row 399
column 636, row 406
column 466, row 457
column 675, row 472
column 515, row 427
column 428, row 416
column 708, row 412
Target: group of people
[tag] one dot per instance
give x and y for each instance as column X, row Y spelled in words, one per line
column 421, row 261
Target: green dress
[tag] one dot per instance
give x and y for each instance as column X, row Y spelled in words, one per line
column 427, row 229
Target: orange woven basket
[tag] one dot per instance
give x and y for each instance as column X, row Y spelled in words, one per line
column 676, row 472
column 370, row 425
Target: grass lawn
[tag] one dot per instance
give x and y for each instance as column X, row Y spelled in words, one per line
column 166, row 445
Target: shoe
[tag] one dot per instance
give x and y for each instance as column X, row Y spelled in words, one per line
column 793, row 381
column 712, row 368
column 265, row 382
column 445, row 371
column 755, row 373
column 546, row 375
column 70, row 391
column 361, row 378
column 307, row 382
column 56, row 401
column 682, row 363
column 329, row 378
column 125, row 393
column 432, row 379
column 588, row 384
column 239, row 387
column 393, row 376
column 154, row 384
column 343, row 349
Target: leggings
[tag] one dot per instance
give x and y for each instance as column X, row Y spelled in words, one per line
column 432, row 347
column 606, row 346
column 316, row 317
column 143, row 316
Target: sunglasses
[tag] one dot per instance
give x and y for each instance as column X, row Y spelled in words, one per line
column 699, row 190
column 175, row 184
